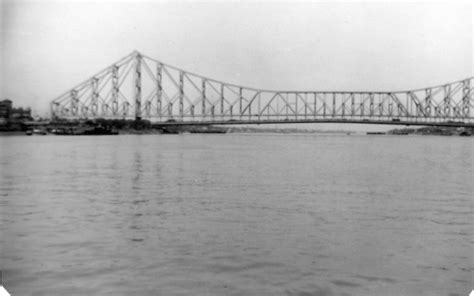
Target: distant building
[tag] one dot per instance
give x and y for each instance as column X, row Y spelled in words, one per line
column 5, row 109
column 9, row 113
column 21, row 114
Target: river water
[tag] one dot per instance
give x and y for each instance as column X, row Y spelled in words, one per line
column 237, row 214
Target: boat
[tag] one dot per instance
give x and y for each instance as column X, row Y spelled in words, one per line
column 376, row 133
column 85, row 131
column 213, row 131
column 36, row 132
column 193, row 130
column 208, row 130
column 99, row 131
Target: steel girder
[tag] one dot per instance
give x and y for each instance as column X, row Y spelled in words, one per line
column 138, row 86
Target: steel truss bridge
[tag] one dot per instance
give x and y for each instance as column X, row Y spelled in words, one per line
column 140, row 87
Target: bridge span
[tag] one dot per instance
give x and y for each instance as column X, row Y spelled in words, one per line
column 140, row 87
column 353, row 121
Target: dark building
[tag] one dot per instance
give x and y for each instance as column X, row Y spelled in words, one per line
column 5, row 109
column 21, row 113
column 9, row 113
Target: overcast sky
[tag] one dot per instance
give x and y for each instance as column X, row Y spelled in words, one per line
column 47, row 48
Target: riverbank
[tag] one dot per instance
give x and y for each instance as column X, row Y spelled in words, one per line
column 437, row 131
column 117, row 126
column 12, row 133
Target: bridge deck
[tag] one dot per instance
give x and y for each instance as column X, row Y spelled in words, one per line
column 346, row 121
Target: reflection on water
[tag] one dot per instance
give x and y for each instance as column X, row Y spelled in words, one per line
column 236, row 215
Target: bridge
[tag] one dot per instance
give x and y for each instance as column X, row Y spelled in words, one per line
column 140, row 87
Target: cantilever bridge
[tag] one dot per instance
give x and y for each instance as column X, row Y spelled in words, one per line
column 138, row 86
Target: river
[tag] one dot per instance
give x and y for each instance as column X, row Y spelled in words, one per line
column 236, row 214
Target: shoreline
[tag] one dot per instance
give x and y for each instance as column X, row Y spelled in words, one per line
column 402, row 132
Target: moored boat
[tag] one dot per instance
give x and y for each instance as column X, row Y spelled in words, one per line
column 36, row 132
column 376, row 133
column 85, row 131
column 212, row 131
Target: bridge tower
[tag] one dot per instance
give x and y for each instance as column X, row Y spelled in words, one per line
column 138, row 86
